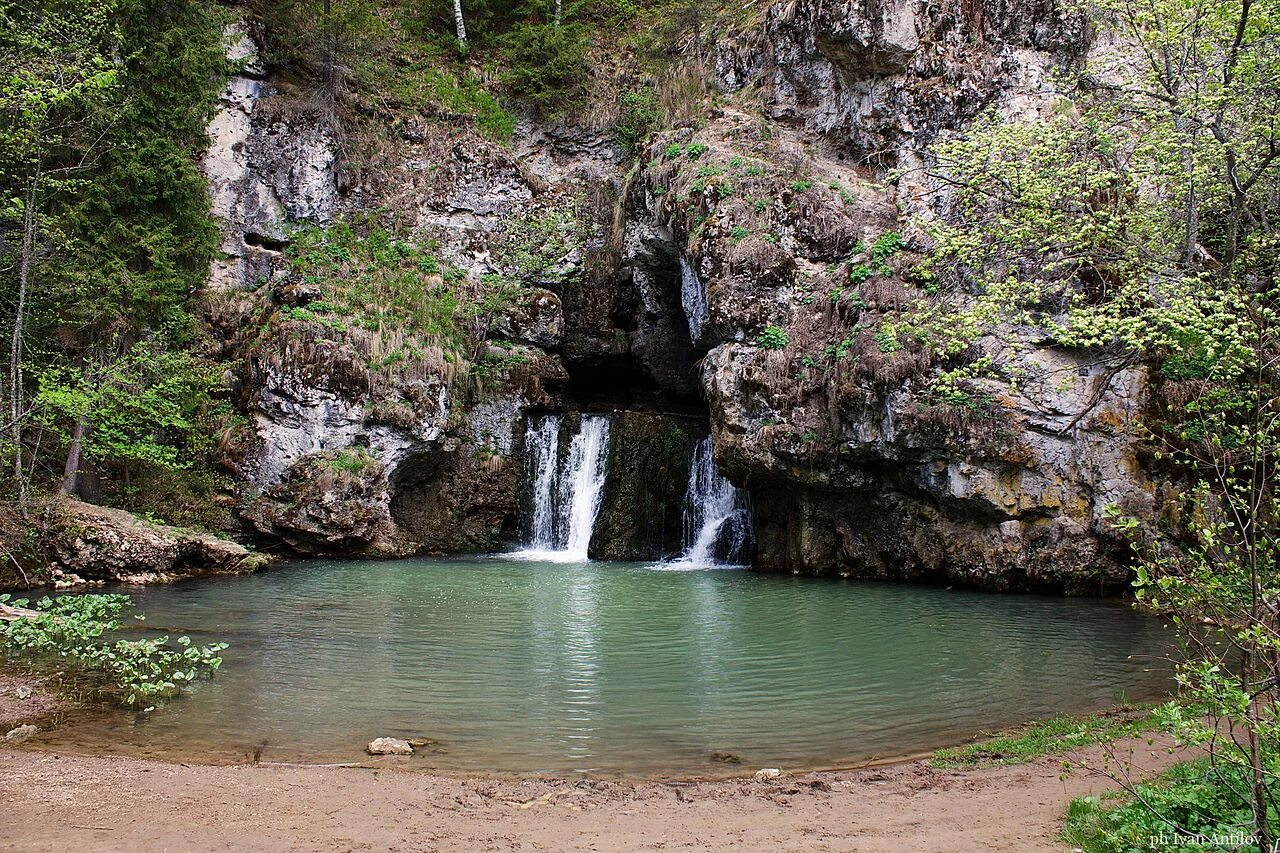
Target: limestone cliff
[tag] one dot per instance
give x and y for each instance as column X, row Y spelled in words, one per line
column 742, row 273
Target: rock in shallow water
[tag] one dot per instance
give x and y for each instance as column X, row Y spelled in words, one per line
column 389, row 746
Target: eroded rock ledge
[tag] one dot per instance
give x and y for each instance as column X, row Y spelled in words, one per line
column 88, row 543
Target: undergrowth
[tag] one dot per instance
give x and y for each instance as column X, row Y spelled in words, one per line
column 1192, row 806
column 1045, row 737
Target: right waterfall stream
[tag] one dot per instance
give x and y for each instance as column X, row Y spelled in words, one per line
column 717, row 521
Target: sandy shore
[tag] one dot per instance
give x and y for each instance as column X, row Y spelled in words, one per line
column 63, row 802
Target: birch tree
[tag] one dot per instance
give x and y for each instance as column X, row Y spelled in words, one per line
column 460, row 25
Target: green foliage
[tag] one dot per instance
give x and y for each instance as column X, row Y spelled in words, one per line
column 840, row 350
column 640, row 116
column 326, row 39
column 379, row 283
column 1045, row 737
column 1140, row 224
column 773, row 337
column 351, row 460
column 695, row 150
column 860, row 273
column 101, row 115
column 887, row 338
column 429, row 85
column 546, row 65
column 69, row 633
column 801, row 186
column 1186, row 808
column 151, row 405
column 886, row 246
column 535, row 244
column 497, row 364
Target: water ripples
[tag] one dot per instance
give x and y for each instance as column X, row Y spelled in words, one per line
column 527, row 666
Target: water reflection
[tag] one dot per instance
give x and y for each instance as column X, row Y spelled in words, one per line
column 527, row 667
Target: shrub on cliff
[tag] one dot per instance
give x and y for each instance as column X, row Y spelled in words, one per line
column 1141, row 223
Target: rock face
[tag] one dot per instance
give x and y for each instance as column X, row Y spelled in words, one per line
column 641, row 510
column 803, row 252
column 741, row 279
column 93, row 543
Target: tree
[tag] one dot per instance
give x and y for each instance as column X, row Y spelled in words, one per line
column 459, row 24
column 1141, row 224
column 106, row 226
column 63, row 75
column 145, row 407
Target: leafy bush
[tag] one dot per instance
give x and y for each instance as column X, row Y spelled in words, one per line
column 887, row 339
column 887, row 245
column 860, row 273
column 70, row 629
column 773, row 337
column 1193, row 802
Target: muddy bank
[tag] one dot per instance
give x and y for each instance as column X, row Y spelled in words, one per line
column 28, row 700
column 64, row 802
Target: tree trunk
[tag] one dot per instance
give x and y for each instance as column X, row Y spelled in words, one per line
column 559, row 11
column 459, row 22
column 15, row 344
column 71, row 472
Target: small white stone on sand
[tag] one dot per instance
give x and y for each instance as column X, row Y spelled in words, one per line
column 766, row 773
column 21, row 733
column 389, row 746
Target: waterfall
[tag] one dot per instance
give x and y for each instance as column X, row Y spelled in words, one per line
column 566, row 493
column 582, row 483
column 716, row 521
column 542, row 449
column 693, row 299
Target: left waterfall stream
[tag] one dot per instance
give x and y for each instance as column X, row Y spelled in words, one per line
column 566, row 491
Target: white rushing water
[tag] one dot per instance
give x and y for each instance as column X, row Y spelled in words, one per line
column 566, row 493
column 693, row 299
column 716, row 521
column 582, row 484
column 542, row 449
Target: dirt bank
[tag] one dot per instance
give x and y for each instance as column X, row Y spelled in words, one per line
column 64, row 802
column 27, row 699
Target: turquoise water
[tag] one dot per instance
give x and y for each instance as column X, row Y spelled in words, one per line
column 527, row 667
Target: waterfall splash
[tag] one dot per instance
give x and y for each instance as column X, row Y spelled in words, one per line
column 566, row 493
column 716, row 521
column 693, row 299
